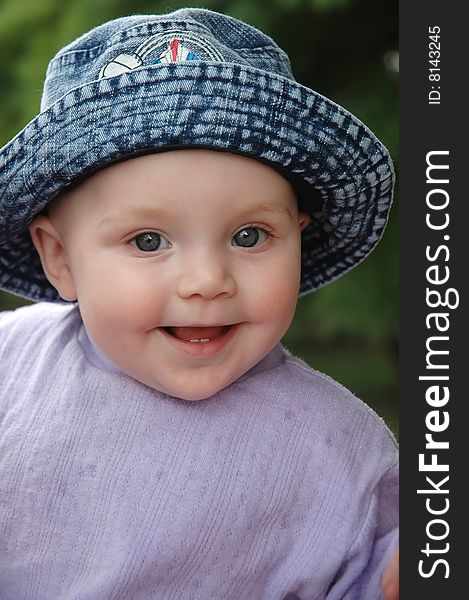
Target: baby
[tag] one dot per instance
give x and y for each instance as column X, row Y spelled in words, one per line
column 176, row 193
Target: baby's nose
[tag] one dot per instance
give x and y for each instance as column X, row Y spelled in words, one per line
column 207, row 278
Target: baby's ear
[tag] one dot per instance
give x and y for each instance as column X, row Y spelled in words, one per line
column 49, row 245
column 304, row 219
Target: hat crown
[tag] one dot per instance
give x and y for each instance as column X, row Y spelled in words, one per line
column 145, row 41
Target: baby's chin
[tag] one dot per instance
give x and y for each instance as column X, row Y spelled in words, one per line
column 192, row 391
column 195, row 394
column 196, row 397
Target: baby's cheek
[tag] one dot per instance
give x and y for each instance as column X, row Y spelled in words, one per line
column 128, row 294
column 282, row 315
column 277, row 300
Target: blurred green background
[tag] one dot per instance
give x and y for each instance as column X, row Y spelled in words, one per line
column 344, row 49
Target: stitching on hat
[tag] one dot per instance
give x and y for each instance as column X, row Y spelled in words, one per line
column 149, row 29
column 173, row 45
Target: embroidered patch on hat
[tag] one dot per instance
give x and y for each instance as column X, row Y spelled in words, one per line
column 171, row 46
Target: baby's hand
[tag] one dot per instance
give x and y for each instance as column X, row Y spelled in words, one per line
column 390, row 580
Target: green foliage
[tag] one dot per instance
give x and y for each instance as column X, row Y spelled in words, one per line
column 341, row 48
column 326, row 5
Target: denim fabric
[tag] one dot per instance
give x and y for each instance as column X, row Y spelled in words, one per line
column 192, row 78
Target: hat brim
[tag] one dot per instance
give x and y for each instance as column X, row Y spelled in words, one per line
column 223, row 106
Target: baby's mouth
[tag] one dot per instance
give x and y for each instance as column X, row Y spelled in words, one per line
column 201, row 335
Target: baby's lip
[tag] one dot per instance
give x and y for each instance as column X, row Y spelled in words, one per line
column 200, row 342
column 198, row 332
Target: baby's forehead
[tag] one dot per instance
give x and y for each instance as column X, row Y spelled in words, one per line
column 190, row 173
column 188, row 177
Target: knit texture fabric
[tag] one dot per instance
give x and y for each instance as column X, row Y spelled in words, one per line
column 281, row 483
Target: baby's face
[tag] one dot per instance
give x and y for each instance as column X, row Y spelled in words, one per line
column 186, row 265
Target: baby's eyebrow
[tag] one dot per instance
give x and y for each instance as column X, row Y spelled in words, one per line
column 152, row 213
column 270, row 207
column 129, row 213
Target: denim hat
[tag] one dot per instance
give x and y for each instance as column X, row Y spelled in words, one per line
column 196, row 78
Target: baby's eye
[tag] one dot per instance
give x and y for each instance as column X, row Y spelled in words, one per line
column 150, row 241
column 249, row 237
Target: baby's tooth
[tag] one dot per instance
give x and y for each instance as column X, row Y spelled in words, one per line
column 200, row 340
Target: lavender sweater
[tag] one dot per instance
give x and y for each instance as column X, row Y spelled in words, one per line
column 281, row 483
